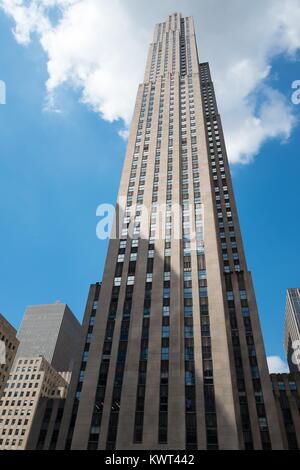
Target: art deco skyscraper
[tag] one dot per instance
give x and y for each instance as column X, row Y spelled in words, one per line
column 176, row 359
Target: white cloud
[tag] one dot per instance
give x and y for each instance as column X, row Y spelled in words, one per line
column 273, row 119
column 124, row 133
column 277, row 365
column 100, row 47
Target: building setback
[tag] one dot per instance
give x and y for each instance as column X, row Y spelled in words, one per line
column 10, row 345
column 292, row 329
column 176, row 359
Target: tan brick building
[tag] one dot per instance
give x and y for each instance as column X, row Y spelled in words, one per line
column 32, row 381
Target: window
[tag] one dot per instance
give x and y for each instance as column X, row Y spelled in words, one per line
column 164, row 353
column 230, row 295
column 281, row 386
column 166, row 310
column 188, row 332
column 243, row 295
column 203, row 291
column 293, row 386
column 130, row 280
column 165, row 331
column 188, row 311
column 189, row 378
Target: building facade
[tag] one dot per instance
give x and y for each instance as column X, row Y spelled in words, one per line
column 51, row 331
column 33, row 401
column 72, row 403
column 8, row 349
column 176, row 359
column 286, row 389
column 292, row 329
column 31, row 384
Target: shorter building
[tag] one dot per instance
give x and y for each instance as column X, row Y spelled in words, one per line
column 34, row 394
column 46, row 425
column 292, row 329
column 8, row 348
column 51, row 331
column 286, row 389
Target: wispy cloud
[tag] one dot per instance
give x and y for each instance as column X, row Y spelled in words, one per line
column 277, row 365
column 100, row 48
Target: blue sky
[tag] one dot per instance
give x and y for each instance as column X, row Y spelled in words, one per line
column 55, row 170
column 267, row 194
column 56, row 167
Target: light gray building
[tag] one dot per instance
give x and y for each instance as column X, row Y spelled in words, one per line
column 292, row 329
column 51, row 331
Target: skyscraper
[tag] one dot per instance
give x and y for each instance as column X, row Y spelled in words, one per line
column 292, row 329
column 176, row 360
